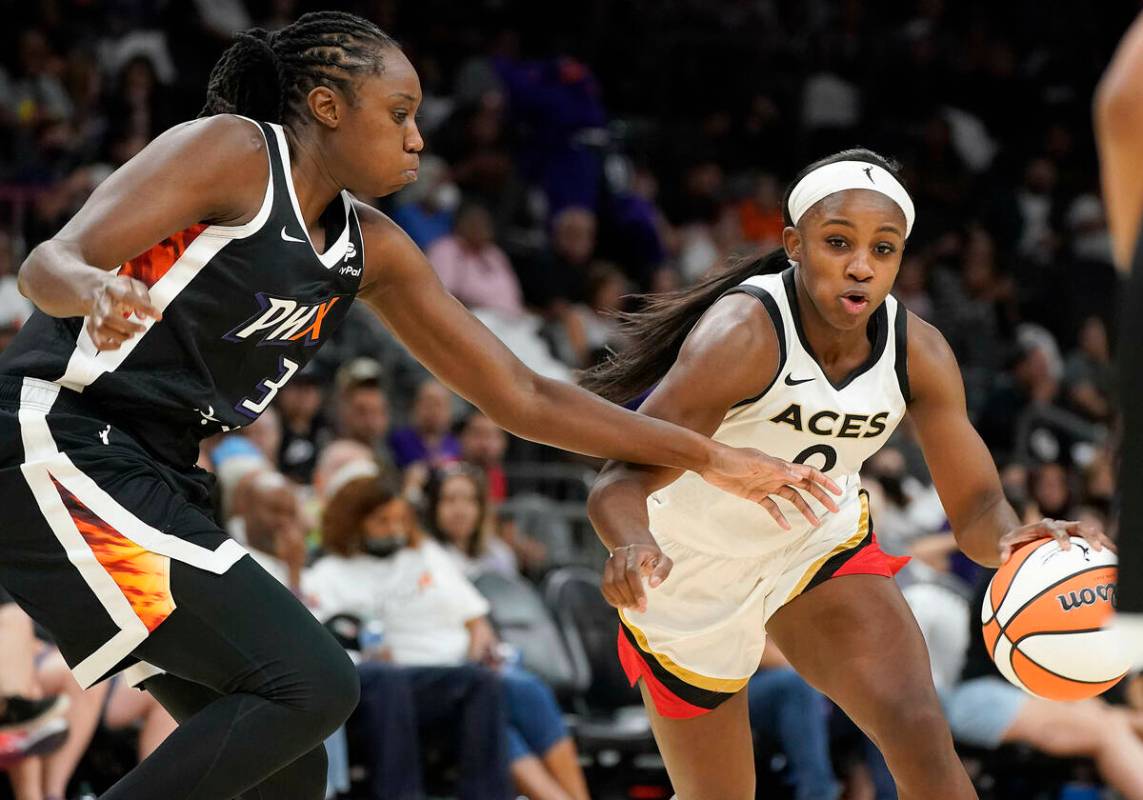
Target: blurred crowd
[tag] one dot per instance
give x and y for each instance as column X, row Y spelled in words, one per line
column 578, row 154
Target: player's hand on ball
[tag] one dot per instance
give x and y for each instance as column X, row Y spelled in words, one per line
column 109, row 322
column 752, row 474
column 1057, row 529
column 624, row 572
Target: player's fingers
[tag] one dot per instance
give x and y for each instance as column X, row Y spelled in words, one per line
column 775, row 512
column 1059, row 532
column 1093, row 535
column 114, row 323
column 633, row 575
column 608, row 585
column 660, row 571
column 619, row 587
column 816, row 476
column 818, row 492
column 791, row 494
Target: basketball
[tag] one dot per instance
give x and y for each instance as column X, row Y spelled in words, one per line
column 1043, row 619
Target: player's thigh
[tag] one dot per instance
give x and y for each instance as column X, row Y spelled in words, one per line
column 708, row 757
column 855, row 639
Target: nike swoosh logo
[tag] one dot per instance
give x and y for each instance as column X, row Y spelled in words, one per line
column 289, row 238
column 791, row 381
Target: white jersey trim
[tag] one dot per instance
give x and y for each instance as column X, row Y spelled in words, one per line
column 333, row 252
column 42, row 462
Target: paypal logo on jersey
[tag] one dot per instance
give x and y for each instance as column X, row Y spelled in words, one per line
column 284, row 320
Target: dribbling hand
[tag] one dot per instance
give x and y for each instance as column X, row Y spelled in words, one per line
column 757, row 477
column 624, row 572
column 1058, row 529
column 109, row 322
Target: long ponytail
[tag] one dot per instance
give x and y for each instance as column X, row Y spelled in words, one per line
column 247, row 79
column 658, row 331
column 661, row 327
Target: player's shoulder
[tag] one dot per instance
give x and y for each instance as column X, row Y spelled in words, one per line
column 222, row 152
column 223, row 135
column 926, row 342
column 386, row 244
column 737, row 325
column 931, row 361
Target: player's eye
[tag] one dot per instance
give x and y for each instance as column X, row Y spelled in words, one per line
column 400, row 115
column 885, row 249
column 837, row 242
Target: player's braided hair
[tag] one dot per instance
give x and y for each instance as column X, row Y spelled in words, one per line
column 267, row 76
column 662, row 324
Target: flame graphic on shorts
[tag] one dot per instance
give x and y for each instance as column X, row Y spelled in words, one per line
column 143, row 577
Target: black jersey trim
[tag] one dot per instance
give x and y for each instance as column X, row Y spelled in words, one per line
column 901, row 345
column 877, row 331
column 771, row 306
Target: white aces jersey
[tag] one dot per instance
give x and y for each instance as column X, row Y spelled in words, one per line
column 801, row 417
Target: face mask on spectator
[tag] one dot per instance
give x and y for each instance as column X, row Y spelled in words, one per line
column 383, row 548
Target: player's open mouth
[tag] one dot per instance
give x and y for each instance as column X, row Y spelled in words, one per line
column 854, row 303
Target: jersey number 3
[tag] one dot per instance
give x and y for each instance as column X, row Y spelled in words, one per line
column 253, row 406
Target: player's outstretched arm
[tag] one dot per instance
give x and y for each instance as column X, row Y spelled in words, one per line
column 402, row 289
column 1118, row 133
column 985, row 526
column 211, row 170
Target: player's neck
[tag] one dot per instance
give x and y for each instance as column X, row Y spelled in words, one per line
column 314, row 183
column 834, row 348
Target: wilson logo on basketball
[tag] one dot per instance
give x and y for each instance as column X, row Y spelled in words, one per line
column 1088, row 597
column 283, row 321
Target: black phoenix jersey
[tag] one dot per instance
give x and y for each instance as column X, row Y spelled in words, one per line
column 244, row 308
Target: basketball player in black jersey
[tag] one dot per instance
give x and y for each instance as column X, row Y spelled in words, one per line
column 188, row 290
column 1119, row 137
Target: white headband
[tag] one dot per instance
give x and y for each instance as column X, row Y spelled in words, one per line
column 842, row 175
column 362, row 468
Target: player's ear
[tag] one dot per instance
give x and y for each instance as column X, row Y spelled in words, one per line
column 792, row 241
column 326, row 105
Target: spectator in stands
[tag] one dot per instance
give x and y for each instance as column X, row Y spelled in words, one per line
column 265, row 433
column 362, row 408
column 113, row 704
column 381, row 567
column 557, row 279
column 363, row 527
column 304, row 429
column 428, row 438
column 483, row 444
column 593, row 329
column 760, row 214
column 787, row 710
column 267, row 518
column 333, row 462
column 473, row 267
column 14, row 307
column 1089, row 375
column 1051, row 492
column 30, row 721
column 456, row 508
column 427, row 209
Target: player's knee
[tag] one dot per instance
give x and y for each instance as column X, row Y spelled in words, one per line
column 341, row 689
column 911, row 720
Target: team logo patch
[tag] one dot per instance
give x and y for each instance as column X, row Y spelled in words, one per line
column 284, row 321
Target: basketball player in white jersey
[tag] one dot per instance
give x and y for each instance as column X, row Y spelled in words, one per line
column 1119, row 137
column 806, row 354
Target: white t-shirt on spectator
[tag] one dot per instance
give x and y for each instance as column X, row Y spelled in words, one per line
column 419, row 595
